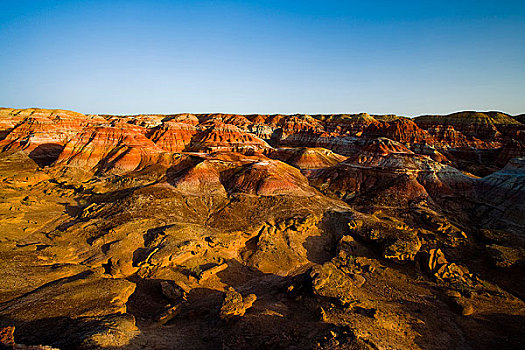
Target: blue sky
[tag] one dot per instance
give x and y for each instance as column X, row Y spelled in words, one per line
column 402, row 57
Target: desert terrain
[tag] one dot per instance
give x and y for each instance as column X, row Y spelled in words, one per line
column 221, row 231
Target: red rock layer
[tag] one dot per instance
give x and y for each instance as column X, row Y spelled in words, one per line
column 382, row 146
column 218, row 136
column 467, row 140
column 402, row 130
column 269, row 178
column 9, row 118
column 122, row 147
column 307, row 158
column 36, row 127
column 447, row 136
column 222, row 173
column 173, row 136
column 488, row 127
column 201, row 178
column 392, row 177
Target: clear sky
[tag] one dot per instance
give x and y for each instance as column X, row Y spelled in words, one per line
column 127, row 56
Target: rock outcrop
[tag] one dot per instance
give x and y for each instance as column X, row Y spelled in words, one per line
column 307, row 158
column 268, row 178
column 235, row 305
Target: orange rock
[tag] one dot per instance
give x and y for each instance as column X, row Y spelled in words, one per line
column 402, row 130
column 173, row 136
column 218, row 136
column 307, row 158
column 121, row 146
column 269, row 178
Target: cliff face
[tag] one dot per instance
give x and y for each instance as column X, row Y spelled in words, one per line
column 308, row 231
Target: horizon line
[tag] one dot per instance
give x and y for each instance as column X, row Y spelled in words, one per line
column 270, row 114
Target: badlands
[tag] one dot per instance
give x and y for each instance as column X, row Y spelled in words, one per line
column 222, row 231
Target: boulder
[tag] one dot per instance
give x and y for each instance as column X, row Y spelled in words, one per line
column 404, row 248
column 235, row 304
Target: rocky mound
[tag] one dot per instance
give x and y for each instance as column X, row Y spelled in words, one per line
column 200, row 176
column 307, row 158
column 268, row 178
